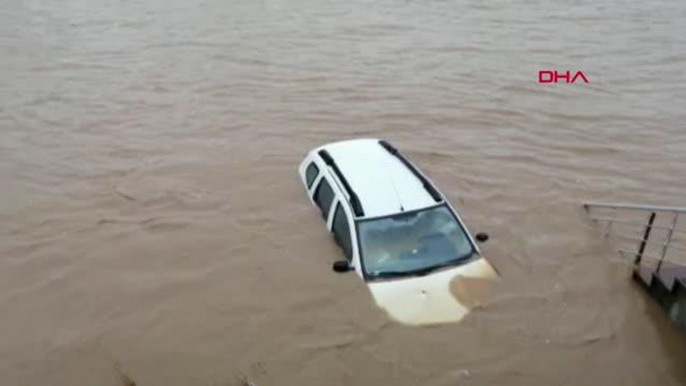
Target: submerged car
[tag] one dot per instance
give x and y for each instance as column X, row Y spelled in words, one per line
column 396, row 230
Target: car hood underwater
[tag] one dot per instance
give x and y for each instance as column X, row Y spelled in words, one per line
column 440, row 297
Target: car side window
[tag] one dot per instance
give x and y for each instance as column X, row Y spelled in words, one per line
column 323, row 197
column 341, row 231
column 311, row 174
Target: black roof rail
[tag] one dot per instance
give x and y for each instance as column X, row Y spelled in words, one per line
column 427, row 185
column 354, row 200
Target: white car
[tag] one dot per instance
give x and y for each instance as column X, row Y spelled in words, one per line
column 397, row 231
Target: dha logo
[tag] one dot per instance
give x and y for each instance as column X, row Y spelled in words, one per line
column 547, row 76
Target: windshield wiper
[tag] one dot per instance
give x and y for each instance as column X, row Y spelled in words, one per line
column 422, row 271
column 389, row 274
column 416, row 272
column 448, row 263
column 428, row 270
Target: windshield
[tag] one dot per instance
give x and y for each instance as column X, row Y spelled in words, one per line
column 412, row 243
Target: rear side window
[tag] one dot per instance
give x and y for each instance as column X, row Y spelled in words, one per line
column 311, row 174
column 341, row 231
column 323, row 197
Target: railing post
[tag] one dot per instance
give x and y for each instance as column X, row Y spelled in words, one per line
column 609, row 223
column 669, row 239
column 646, row 235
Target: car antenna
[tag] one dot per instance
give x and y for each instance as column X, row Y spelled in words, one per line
column 390, row 175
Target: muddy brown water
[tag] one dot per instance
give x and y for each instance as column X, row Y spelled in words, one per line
column 151, row 218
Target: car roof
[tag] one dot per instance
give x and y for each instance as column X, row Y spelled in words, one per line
column 383, row 184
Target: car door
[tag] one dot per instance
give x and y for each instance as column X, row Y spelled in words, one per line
column 309, row 173
column 342, row 232
column 323, row 197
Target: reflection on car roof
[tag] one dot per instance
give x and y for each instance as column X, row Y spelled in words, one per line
column 383, row 184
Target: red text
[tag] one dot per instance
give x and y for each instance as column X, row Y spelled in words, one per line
column 548, row 76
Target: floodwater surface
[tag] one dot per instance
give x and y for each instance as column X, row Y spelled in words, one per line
column 152, row 221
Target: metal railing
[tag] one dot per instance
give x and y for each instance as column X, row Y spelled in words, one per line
column 648, row 227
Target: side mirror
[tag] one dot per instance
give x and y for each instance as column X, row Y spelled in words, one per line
column 341, row 266
column 482, row 237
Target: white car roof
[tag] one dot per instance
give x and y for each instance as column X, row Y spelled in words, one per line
column 383, row 184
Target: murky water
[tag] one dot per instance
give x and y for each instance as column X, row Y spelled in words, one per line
column 151, row 217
